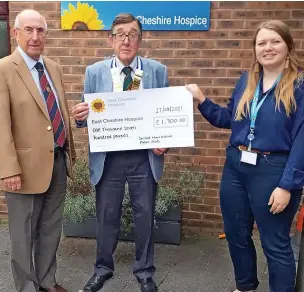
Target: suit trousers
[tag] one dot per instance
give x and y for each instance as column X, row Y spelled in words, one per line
column 134, row 168
column 244, row 194
column 35, row 224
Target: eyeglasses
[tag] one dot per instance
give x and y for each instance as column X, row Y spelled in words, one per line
column 30, row 31
column 122, row 36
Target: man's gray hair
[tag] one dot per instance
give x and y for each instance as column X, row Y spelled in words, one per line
column 18, row 22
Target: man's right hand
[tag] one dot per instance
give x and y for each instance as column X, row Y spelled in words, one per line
column 80, row 111
column 13, row 182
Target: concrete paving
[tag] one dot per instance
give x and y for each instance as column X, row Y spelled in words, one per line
column 201, row 265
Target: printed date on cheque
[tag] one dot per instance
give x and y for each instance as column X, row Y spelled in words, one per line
column 173, row 121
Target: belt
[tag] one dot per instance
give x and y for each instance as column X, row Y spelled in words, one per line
column 58, row 151
column 245, row 148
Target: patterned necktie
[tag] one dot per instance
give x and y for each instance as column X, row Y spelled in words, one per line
column 128, row 79
column 51, row 103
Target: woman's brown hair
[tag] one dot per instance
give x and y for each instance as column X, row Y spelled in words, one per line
column 284, row 91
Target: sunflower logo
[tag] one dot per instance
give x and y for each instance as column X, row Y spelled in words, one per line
column 84, row 17
column 98, row 105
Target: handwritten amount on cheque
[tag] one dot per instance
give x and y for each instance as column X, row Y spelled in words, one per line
column 125, row 125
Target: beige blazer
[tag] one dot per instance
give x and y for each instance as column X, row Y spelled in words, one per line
column 27, row 140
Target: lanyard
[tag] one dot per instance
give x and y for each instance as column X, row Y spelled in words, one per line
column 255, row 107
column 117, row 86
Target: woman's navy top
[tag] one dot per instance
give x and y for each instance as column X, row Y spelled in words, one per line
column 274, row 131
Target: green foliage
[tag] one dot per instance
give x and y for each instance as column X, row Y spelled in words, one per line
column 77, row 209
column 178, row 184
column 80, row 199
column 80, row 185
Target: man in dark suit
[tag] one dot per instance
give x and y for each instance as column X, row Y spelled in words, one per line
column 36, row 148
column 141, row 169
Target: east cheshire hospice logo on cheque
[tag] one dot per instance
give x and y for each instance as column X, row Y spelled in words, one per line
column 98, row 105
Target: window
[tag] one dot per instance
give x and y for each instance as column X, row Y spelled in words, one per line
column 4, row 30
column 4, row 37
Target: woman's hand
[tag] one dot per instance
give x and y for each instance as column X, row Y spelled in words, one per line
column 279, row 200
column 196, row 92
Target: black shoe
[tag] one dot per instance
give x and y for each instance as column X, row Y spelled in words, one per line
column 96, row 282
column 147, row 285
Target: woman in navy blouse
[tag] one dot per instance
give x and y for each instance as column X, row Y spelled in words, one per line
column 263, row 174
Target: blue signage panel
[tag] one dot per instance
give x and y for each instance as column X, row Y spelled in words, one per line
column 154, row 15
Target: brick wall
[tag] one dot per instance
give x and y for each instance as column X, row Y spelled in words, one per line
column 213, row 59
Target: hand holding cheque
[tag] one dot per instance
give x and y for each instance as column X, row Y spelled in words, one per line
column 196, row 92
column 153, row 118
column 81, row 113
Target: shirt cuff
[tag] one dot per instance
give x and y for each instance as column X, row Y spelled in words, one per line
column 203, row 103
column 79, row 123
column 285, row 184
column 205, row 106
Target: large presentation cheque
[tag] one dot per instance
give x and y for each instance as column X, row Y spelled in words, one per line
column 140, row 119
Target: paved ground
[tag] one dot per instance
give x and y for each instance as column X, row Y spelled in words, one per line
column 201, row 265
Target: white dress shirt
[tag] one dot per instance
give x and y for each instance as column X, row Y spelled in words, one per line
column 133, row 65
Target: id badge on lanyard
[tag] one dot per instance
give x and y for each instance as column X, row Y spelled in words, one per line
column 117, row 85
column 248, row 156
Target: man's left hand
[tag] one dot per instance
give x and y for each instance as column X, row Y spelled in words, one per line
column 160, row 151
column 279, row 200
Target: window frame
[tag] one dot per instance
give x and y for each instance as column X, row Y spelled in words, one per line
column 4, row 8
column 4, row 15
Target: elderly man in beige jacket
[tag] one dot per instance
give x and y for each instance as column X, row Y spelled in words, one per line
column 36, row 150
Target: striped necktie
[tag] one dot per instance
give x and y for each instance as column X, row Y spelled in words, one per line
column 128, row 79
column 53, row 109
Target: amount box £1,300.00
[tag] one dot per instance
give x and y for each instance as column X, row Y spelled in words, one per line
column 167, row 122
